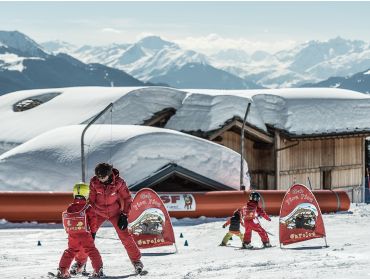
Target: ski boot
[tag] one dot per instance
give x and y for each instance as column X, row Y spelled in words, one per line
column 247, row 245
column 138, row 265
column 78, row 268
column 62, row 273
column 222, row 244
column 97, row 274
column 267, row 244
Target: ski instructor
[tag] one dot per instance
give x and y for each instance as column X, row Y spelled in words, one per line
column 111, row 200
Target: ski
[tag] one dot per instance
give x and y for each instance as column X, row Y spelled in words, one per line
column 255, row 248
column 52, row 275
column 142, row 273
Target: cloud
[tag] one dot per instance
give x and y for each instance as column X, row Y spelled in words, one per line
column 111, row 30
column 214, row 43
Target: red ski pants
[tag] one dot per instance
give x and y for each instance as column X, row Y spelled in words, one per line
column 80, row 242
column 249, row 226
column 125, row 237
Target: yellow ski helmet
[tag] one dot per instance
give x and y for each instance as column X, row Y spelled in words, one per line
column 81, row 189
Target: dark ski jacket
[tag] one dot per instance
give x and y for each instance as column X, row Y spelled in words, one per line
column 234, row 222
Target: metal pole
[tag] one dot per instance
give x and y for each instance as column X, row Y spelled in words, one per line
column 242, row 187
column 83, row 177
column 309, row 183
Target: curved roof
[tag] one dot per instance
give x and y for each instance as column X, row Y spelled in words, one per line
column 51, row 161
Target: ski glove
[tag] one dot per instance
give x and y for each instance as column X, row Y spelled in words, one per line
column 122, row 221
column 93, row 235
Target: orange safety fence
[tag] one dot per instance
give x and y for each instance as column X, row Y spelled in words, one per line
column 48, row 206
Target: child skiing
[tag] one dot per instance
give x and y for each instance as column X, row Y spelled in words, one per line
column 234, row 228
column 250, row 213
column 79, row 221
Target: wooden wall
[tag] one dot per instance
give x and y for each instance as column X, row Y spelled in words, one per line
column 329, row 163
column 260, row 160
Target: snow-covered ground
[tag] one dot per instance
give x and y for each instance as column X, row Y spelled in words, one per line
column 346, row 257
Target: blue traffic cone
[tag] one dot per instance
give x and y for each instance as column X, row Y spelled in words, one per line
column 181, row 236
column 186, row 243
column 39, row 243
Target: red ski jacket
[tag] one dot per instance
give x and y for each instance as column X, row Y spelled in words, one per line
column 109, row 200
column 78, row 205
column 252, row 211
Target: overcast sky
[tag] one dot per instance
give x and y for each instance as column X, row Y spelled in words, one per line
column 200, row 26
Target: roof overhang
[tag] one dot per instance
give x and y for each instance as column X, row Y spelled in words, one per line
column 174, row 169
column 251, row 131
column 349, row 134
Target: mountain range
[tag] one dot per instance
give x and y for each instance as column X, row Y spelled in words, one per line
column 25, row 64
column 157, row 60
column 359, row 82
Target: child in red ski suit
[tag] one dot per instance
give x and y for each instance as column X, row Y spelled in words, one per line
column 234, row 229
column 79, row 221
column 250, row 213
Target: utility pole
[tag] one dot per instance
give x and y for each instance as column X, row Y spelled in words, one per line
column 242, row 187
column 83, row 164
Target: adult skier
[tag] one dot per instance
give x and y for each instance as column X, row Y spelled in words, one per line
column 111, row 200
column 250, row 212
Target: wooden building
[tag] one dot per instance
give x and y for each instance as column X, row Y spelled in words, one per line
column 277, row 159
column 328, row 157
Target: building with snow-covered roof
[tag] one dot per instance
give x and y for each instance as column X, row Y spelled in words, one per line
column 290, row 134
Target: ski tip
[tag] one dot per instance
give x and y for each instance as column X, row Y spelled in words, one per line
column 51, row 275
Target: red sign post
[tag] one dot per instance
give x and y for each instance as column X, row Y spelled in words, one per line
column 300, row 216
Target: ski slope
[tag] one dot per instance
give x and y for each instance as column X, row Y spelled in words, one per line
column 346, row 257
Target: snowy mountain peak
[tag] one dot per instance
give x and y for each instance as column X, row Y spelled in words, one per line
column 155, row 43
column 58, row 46
column 22, row 43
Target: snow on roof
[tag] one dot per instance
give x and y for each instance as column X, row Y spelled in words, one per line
column 51, row 161
column 298, row 111
column 207, row 110
column 76, row 105
column 303, row 111
column 314, row 111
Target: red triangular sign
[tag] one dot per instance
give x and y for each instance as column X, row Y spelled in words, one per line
column 300, row 216
column 149, row 222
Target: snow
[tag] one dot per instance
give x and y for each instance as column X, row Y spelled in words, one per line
column 299, row 111
column 347, row 256
column 214, row 108
column 78, row 105
column 13, row 62
column 137, row 151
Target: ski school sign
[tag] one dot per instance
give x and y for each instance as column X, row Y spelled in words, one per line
column 300, row 216
column 178, row 202
column 149, row 221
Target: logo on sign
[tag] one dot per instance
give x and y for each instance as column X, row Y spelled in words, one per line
column 178, row 202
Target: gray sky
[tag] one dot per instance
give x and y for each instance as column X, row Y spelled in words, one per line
column 254, row 25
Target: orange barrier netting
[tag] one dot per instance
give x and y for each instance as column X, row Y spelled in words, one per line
column 48, row 206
